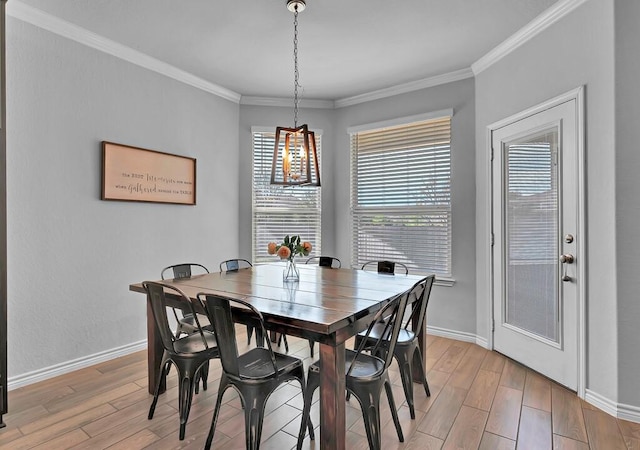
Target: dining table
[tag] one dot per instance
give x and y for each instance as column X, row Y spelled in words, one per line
column 326, row 305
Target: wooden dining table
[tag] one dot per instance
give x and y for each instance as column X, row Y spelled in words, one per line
column 326, row 305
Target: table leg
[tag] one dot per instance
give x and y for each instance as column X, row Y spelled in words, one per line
column 332, row 397
column 154, row 352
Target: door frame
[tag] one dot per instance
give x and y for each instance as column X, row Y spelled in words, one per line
column 576, row 95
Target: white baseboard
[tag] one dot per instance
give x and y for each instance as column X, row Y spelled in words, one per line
column 76, row 364
column 458, row 336
column 619, row 410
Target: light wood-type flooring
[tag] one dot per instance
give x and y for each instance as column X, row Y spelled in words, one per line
column 479, row 400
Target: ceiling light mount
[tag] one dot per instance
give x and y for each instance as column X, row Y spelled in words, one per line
column 296, row 5
column 295, row 159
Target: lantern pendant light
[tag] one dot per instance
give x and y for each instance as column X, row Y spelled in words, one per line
column 295, row 159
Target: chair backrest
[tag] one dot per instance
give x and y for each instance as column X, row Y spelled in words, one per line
column 231, row 265
column 386, row 266
column 157, row 296
column 219, row 311
column 419, row 299
column 392, row 312
column 183, row 270
column 325, row 261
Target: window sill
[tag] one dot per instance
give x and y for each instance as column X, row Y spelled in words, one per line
column 448, row 282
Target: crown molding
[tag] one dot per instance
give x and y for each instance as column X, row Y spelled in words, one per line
column 48, row 22
column 406, row 87
column 550, row 16
column 286, row 102
column 68, row 30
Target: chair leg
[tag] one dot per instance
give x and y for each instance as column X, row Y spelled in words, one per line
column 185, row 396
column 203, row 373
column 249, row 333
column 418, row 354
column 255, row 400
column 260, row 337
column 311, row 345
column 164, row 370
column 224, row 384
column 394, row 411
column 286, row 344
column 370, row 405
column 313, row 381
column 406, row 374
column 283, row 337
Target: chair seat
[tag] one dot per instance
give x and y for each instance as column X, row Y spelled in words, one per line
column 192, row 343
column 256, row 363
column 366, row 366
column 405, row 336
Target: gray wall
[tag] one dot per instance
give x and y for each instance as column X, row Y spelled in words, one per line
column 627, row 97
column 71, row 256
column 578, row 50
column 450, row 308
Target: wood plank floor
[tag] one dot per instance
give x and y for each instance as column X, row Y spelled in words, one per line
column 479, row 400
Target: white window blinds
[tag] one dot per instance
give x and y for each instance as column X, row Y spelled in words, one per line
column 401, row 195
column 279, row 211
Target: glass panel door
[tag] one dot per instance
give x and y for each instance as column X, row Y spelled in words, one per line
column 531, row 226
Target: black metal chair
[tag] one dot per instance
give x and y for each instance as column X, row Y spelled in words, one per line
column 254, row 374
column 325, row 261
column 186, row 321
column 189, row 354
column 386, row 266
column 366, row 374
column 407, row 352
column 231, row 265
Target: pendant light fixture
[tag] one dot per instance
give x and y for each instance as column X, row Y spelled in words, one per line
column 295, row 159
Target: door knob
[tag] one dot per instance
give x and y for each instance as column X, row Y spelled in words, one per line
column 567, row 258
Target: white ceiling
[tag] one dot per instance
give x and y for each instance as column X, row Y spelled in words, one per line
column 346, row 47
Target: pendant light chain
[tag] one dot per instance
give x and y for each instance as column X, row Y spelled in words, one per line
column 295, row 159
column 296, row 73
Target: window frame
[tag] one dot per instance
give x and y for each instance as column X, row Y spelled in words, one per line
column 357, row 211
column 259, row 252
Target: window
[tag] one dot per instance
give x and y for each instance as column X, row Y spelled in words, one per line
column 277, row 210
column 401, row 193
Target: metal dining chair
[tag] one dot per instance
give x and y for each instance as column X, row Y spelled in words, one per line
column 254, row 374
column 366, row 374
column 233, row 265
column 325, row 261
column 386, row 266
column 406, row 351
column 185, row 321
column 190, row 354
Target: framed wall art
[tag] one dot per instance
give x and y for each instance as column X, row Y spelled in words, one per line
column 141, row 175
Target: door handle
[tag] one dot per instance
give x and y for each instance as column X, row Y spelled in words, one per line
column 567, row 258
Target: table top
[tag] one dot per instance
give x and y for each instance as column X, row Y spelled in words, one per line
column 324, row 301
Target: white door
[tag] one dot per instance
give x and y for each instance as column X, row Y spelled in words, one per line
column 536, row 231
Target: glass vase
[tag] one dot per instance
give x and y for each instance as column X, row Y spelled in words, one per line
column 290, row 272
